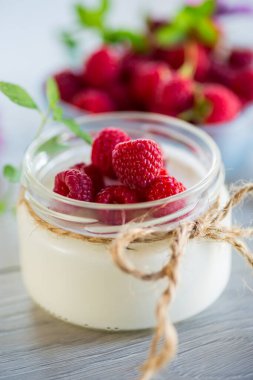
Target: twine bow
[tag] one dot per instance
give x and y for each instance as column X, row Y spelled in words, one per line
column 208, row 227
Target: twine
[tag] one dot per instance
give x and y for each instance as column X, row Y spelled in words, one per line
column 208, row 226
column 57, row 230
column 74, row 235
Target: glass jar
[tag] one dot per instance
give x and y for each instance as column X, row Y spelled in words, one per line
column 64, row 243
column 235, row 141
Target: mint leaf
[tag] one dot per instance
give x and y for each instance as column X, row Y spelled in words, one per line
column 52, row 92
column 3, row 206
column 69, row 40
column 104, row 6
column 169, row 35
column 185, row 20
column 137, row 40
column 203, row 108
column 11, row 173
column 53, row 145
column 190, row 21
column 92, row 17
column 18, row 95
column 188, row 115
column 53, row 97
column 57, row 113
column 206, row 8
column 207, row 31
column 77, row 130
column 87, row 18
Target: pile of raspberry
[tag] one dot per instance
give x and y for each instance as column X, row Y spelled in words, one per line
column 213, row 89
column 122, row 171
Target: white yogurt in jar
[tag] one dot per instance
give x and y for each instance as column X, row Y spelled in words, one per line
column 76, row 280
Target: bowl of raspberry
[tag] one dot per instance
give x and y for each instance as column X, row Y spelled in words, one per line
column 141, row 171
column 143, row 84
column 188, row 73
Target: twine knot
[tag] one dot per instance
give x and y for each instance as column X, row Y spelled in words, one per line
column 208, row 226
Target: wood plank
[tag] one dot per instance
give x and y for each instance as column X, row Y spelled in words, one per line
column 217, row 344
column 9, row 242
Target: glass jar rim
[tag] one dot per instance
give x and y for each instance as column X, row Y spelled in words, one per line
column 199, row 187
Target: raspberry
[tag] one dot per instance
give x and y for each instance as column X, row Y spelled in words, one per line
column 102, row 67
column 177, row 56
column 163, row 187
column 137, row 163
column 146, row 79
column 94, row 101
column 225, row 104
column 116, row 195
column 175, row 96
column 242, row 85
column 163, row 172
column 129, row 63
column 94, row 173
column 174, row 57
column 202, row 64
column 103, row 145
column 69, row 84
column 119, row 92
column 73, row 184
column 220, row 73
column 241, row 58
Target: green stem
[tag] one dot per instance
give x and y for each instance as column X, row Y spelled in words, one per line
column 43, row 122
column 188, row 69
column 5, row 201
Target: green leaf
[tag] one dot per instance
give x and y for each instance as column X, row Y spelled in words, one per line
column 52, row 92
column 3, row 206
column 53, row 97
column 105, row 6
column 201, row 109
column 185, row 20
column 52, row 146
column 69, row 40
column 18, row 95
column 169, row 35
column 188, row 115
column 207, row 31
column 77, row 130
column 11, row 173
column 92, row 17
column 88, row 18
column 57, row 113
column 206, row 8
column 137, row 40
column 190, row 21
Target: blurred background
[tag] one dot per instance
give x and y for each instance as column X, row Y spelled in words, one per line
column 30, row 51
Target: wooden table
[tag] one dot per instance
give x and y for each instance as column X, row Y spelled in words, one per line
column 215, row 345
